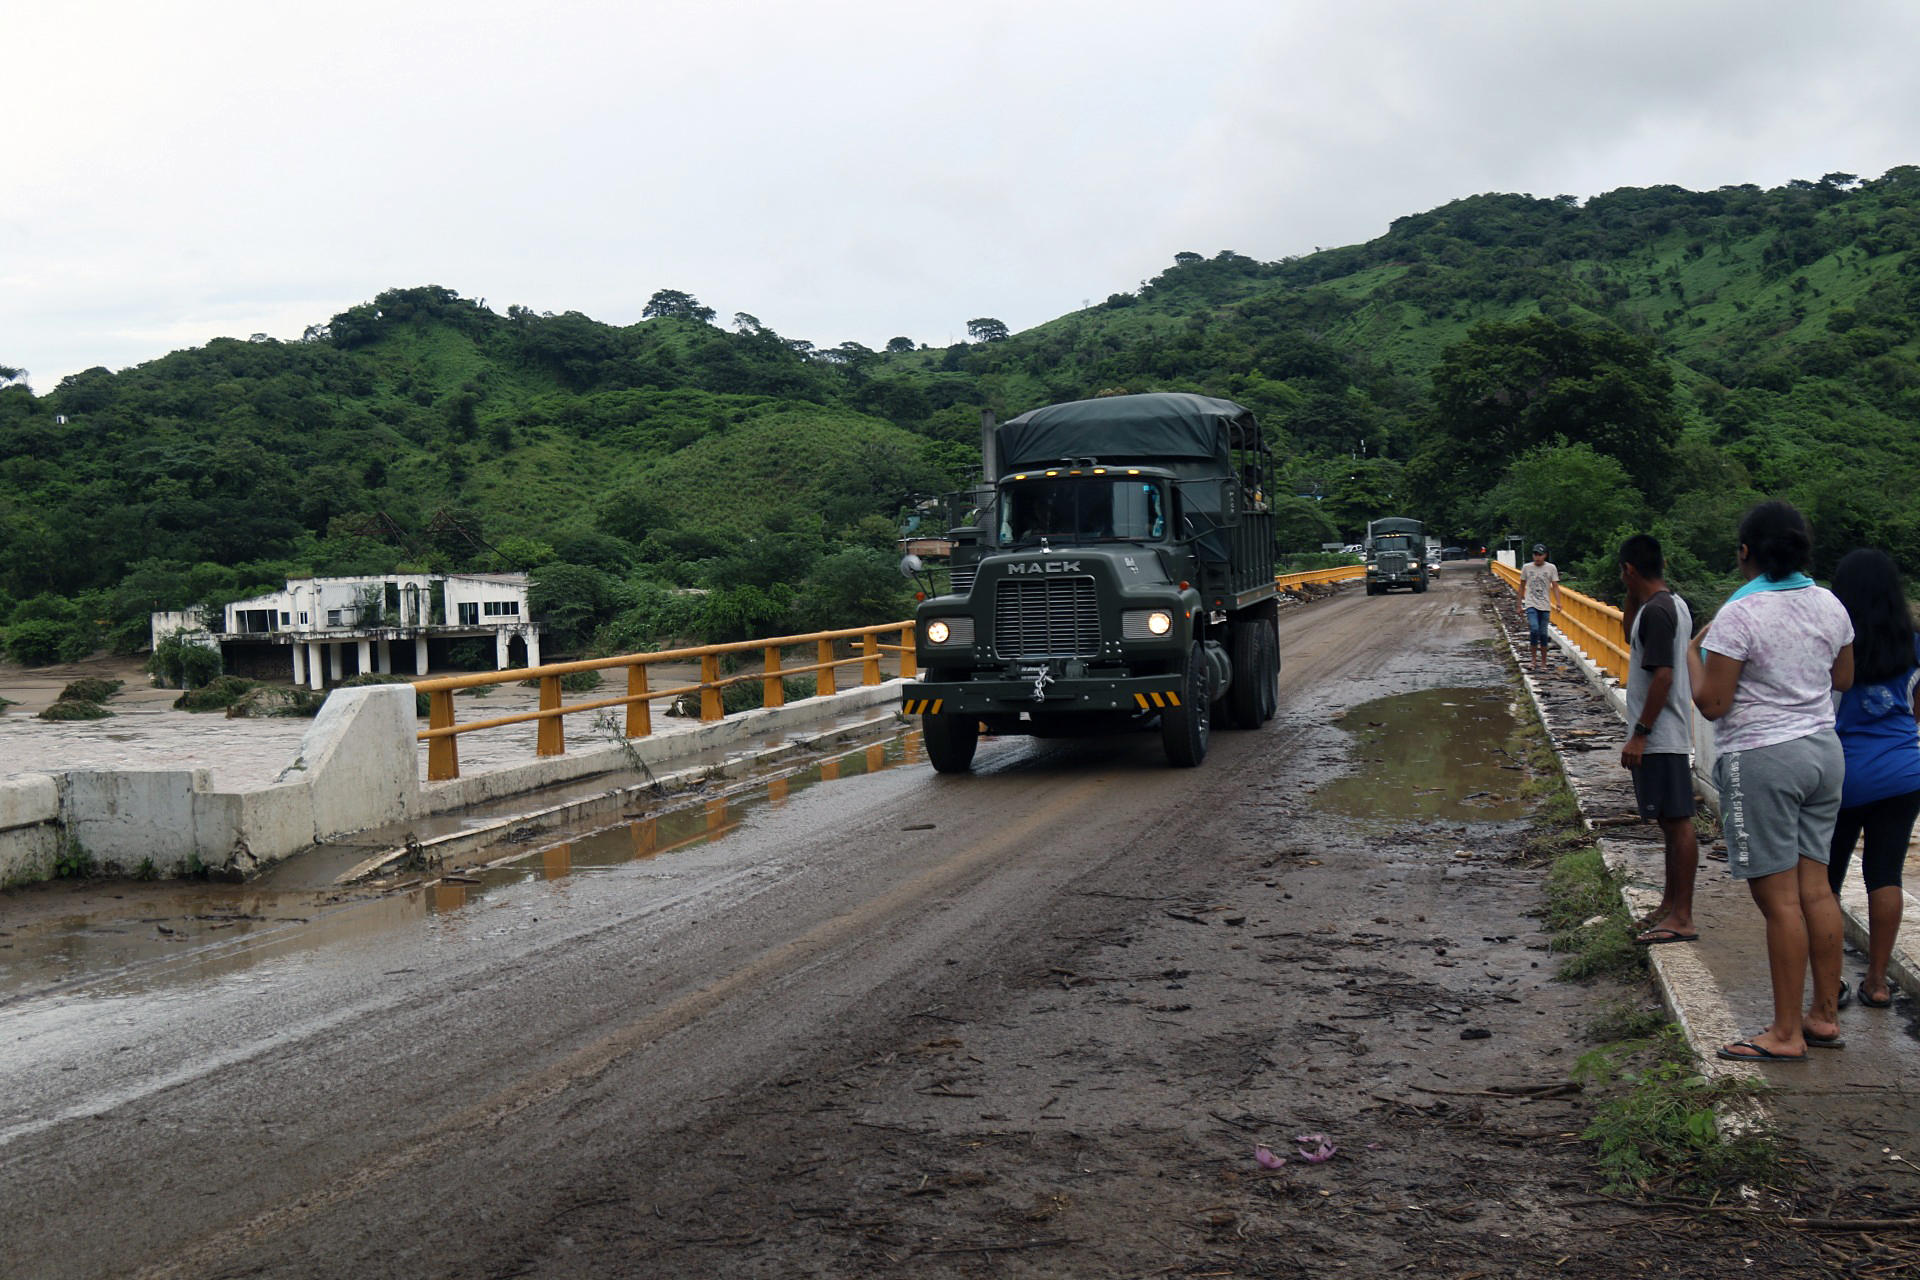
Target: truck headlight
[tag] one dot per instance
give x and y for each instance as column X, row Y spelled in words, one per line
column 954, row 631
column 1146, row 624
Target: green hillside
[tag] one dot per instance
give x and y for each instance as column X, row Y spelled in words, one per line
column 1649, row 357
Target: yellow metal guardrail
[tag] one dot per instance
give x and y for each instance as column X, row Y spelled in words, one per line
column 441, row 734
column 1591, row 624
column 1345, row 573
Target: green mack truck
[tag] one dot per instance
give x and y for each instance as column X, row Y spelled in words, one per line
column 1115, row 573
column 1396, row 555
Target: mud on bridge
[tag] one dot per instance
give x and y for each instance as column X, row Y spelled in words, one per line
column 1038, row 1020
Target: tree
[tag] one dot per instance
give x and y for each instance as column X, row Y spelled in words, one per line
column 986, row 329
column 1509, row 388
column 1570, row 496
column 743, row 322
column 673, row 304
column 571, row 599
column 1299, row 524
column 854, row 588
column 894, row 345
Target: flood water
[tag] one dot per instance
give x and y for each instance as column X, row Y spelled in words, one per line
column 1440, row 755
column 168, row 933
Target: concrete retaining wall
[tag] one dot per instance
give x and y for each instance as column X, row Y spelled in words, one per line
column 359, row 767
column 29, row 828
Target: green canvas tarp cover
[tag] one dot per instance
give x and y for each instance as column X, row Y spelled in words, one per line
column 1160, row 425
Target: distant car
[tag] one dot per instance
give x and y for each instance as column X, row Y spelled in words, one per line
column 1354, row 549
column 1453, row 553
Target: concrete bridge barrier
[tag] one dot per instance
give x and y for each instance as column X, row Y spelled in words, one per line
column 29, row 828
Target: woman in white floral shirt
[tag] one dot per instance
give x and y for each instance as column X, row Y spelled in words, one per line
column 1763, row 672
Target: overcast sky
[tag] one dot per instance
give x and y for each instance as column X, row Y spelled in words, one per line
column 186, row 170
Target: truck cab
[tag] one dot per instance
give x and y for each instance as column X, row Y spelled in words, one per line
column 1118, row 576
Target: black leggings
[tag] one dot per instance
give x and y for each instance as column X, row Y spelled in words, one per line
column 1888, row 824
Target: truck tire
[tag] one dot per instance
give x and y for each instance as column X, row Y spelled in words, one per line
column 1249, row 656
column 1269, row 670
column 1420, row 587
column 1184, row 729
column 950, row 741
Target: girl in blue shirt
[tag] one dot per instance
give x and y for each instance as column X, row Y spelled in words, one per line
column 1881, row 795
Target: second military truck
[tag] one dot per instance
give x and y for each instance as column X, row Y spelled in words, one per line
column 1396, row 555
column 1117, row 574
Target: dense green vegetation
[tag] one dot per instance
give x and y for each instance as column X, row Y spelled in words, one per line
column 1652, row 357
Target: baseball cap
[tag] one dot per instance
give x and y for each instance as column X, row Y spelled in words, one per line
column 1539, row 548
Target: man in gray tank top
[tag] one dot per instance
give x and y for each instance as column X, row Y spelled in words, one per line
column 1658, row 750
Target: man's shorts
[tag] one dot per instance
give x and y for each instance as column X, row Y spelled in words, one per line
column 1663, row 785
column 1537, row 626
column 1778, row 803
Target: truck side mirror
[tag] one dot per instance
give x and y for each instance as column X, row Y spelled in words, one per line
column 910, row 566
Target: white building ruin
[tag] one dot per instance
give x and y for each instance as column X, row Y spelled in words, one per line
column 329, row 624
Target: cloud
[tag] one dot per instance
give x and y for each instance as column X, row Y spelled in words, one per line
column 853, row 171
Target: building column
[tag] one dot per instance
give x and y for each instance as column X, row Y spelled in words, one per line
column 366, row 655
column 333, row 660
column 533, row 648
column 386, row 656
column 419, row 655
column 315, row 680
column 299, row 662
column 500, row 642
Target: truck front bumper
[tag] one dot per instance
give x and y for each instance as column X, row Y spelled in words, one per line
column 1010, row 697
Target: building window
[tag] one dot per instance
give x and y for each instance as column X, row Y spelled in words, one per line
column 286, row 618
column 469, row 614
column 303, row 617
column 333, row 617
column 502, row 608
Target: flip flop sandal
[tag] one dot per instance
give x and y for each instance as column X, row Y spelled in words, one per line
column 1846, row 997
column 1884, row 1002
column 1659, row 937
column 1758, row 1055
column 1823, row 1042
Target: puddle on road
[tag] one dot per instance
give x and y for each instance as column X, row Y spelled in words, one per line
column 170, row 933
column 1437, row 755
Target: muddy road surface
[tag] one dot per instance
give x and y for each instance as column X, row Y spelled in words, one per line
column 1032, row 1022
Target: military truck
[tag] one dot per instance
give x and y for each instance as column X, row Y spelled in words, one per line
column 1396, row 555
column 1115, row 573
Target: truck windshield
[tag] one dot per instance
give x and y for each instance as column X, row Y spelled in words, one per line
column 1393, row 542
column 1082, row 511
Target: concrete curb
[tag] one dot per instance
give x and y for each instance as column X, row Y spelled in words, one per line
column 656, row 749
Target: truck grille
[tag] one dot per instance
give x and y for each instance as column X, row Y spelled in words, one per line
column 1046, row 618
column 962, row 576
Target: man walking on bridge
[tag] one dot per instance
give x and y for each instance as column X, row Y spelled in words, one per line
column 1539, row 597
column 1660, row 739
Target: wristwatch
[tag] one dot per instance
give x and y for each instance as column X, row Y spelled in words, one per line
column 1642, row 730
